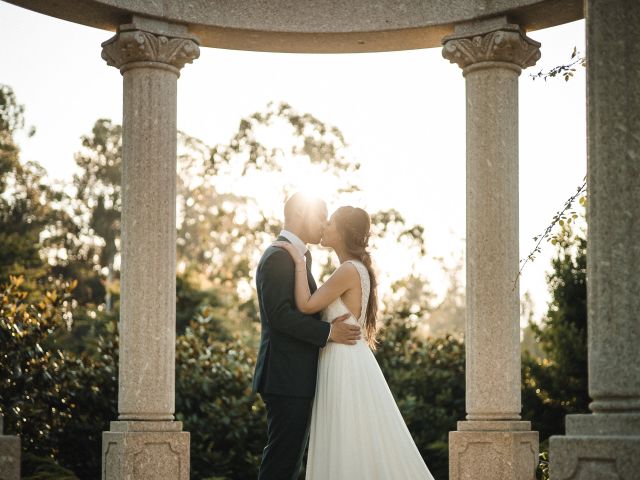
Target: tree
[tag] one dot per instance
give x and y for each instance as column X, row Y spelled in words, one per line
column 34, row 394
column 224, row 192
column 22, row 216
column 98, row 200
column 29, row 216
column 556, row 384
column 426, row 376
column 221, row 217
column 448, row 317
column 214, row 400
column 223, row 223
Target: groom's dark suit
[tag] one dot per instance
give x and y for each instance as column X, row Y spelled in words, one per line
column 287, row 364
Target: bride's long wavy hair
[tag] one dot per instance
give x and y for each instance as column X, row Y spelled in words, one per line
column 354, row 226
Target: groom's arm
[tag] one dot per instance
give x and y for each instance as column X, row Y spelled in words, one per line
column 276, row 283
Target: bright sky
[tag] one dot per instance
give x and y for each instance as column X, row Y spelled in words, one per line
column 402, row 114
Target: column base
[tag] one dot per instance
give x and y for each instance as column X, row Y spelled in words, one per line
column 599, row 446
column 137, row 450
column 488, row 450
column 9, row 457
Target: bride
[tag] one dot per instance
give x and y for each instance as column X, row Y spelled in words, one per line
column 357, row 431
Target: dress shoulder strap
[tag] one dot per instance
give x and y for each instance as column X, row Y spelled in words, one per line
column 365, row 286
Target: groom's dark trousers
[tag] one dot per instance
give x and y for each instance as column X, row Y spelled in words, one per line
column 287, row 364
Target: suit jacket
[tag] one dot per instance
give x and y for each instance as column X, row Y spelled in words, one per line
column 290, row 340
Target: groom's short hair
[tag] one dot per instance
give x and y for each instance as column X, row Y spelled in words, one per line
column 301, row 203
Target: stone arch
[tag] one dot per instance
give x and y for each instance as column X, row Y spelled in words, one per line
column 487, row 39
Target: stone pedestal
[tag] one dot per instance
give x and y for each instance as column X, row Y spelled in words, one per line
column 493, row 449
column 606, row 444
column 492, row 54
column 597, row 446
column 9, row 455
column 147, row 443
column 145, row 450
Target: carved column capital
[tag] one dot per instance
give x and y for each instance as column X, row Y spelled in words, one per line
column 130, row 47
column 509, row 44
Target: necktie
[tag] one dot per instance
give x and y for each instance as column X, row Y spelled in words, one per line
column 307, row 255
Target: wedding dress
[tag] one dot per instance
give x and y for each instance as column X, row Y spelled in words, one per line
column 357, row 431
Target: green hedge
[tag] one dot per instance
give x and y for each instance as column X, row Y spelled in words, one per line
column 60, row 401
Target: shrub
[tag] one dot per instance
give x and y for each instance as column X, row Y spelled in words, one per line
column 56, row 401
column 35, row 378
column 60, row 402
column 214, row 400
column 427, row 379
column 43, row 468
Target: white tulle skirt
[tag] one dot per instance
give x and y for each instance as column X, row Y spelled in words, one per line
column 357, row 431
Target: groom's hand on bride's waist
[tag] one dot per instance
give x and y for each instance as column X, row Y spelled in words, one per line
column 343, row 332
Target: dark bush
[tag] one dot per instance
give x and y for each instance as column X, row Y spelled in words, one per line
column 36, row 378
column 427, row 379
column 60, row 402
column 214, row 400
column 56, row 401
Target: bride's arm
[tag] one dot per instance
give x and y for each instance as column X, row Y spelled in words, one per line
column 338, row 283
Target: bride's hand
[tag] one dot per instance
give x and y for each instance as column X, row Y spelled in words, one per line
column 293, row 251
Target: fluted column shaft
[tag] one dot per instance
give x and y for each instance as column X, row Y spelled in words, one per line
column 146, row 442
column 491, row 64
column 492, row 443
column 147, row 301
column 606, row 443
column 150, row 67
column 613, row 215
column 492, row 328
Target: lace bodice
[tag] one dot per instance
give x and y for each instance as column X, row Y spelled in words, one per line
column 337, row 307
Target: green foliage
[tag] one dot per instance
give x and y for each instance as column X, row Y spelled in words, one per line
column 43, row 468
column 60, row 402
column 566, row 71
column 556, row 384
column 97, row 205
column 58, row 348
column 25, row 202
column 427, row 379
column 11, row 116
column 62, row 406
column 94, row 395
column 542, row 472
column 34, row 395
column 214, row 400
column 56, row 401
column 192, row 302
column 564, row 216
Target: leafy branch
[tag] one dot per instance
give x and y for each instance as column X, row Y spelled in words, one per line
column 566, row 215
column 566, row 71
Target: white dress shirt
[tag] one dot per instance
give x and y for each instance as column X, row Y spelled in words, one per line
column 302, row 248
column 295, row 241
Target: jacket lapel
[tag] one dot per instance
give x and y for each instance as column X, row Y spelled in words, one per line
column 312, row 281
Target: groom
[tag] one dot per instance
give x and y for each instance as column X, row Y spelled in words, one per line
column 290, row 341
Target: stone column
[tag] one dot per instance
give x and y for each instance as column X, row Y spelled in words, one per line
column 605, row 444
column 492, row 442
column 145, row 442
column 9, row 455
